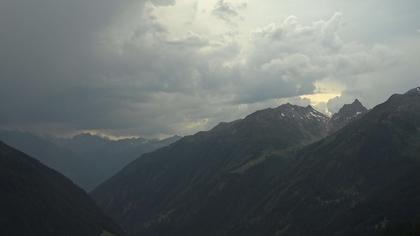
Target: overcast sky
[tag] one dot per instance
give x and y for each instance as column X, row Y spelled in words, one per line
column 162, row 67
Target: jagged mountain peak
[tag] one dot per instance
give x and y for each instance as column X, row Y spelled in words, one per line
column 345, row 115
column 357, row 102
column 275, row 121
column 305, row 122
column 289, row 111
column 293, row 106
column 352, row 109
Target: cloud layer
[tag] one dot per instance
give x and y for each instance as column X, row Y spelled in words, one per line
column 126, row 67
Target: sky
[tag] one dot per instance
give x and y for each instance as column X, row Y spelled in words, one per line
column 156, row 68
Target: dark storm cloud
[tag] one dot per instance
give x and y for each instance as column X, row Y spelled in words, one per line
column 113, row 65
column 50, row 65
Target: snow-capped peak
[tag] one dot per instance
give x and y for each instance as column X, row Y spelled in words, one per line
column 289, row 111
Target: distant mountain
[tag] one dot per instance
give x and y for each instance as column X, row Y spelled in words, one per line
column 87, row 159
column 264, row 176
column 345, row 115
column 185, row 183
column 36, row 200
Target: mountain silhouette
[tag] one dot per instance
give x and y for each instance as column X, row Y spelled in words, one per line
column 277, row 173
column 36, row 200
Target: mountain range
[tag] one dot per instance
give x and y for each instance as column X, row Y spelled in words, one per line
column 284, row 171
column 289, row 170
column 86, row 159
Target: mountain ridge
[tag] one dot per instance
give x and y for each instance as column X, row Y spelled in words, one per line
column 190, row 189
column 199, row 161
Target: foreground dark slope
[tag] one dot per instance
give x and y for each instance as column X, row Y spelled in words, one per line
column 36, row 200
column 193, row 186
column 64, row 160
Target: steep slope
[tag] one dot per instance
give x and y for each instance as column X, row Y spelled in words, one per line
column 86, row 159
column 36, row 200
column 363, row 180
column 345, row 115
column 242, row 179
column 65, row 160
column 179, row 190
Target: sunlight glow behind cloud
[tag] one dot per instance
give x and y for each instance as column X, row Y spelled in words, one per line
column 154, row 68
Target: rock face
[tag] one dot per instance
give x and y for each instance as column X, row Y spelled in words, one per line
column 345, row 115
column 36, row 200
column 262, row 176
